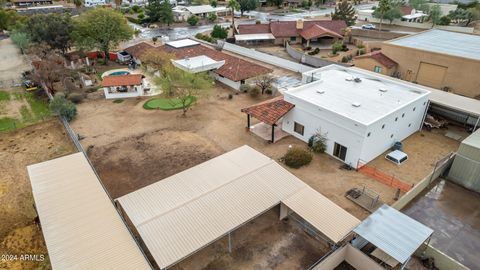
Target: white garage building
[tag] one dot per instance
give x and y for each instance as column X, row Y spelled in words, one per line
column 361, row 113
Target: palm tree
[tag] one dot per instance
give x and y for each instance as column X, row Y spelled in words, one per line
column 233, row 4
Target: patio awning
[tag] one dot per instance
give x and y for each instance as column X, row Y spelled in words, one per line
column 250, row 37
column 197, row 64
column 393, row 232
column 269, row 111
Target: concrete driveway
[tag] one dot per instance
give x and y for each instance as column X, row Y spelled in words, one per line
column 12, row 64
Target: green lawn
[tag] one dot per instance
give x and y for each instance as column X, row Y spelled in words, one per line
column 36, row 111
column 167, row 104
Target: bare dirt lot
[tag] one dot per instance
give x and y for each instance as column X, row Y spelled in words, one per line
column 12, row 63
column 264, row 243
column 134, row 147
column 18, row 233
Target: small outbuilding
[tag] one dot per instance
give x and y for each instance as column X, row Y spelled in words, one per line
column 465, row 169
column 124, row 86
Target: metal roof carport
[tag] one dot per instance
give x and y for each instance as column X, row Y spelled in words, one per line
column 80, row 225
column 395, row 233
column 183, row 213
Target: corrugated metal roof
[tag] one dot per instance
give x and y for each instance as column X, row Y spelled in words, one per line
column 183, row 213
column 454, row 101
column 473, row 140
column 323, row 214
column 80, row 225
column 395, row 233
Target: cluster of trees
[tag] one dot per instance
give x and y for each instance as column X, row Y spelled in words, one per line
column 159, row 11
column 346, row 12
column 464, row 14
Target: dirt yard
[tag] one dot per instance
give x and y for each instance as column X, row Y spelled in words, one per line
column 18, row 233
column 424, row 149
column 264, row 243
column 133, row 147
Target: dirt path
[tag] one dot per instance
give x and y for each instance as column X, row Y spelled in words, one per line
column 33, row 144
column 12, row 63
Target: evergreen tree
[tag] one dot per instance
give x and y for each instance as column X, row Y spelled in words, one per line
column 166, row 13
column 435, row 15
column 384, row 6
column 153, row 10
column 247, row 5
column 344, row 11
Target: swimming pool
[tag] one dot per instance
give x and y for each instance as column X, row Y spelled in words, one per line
column 117, row 73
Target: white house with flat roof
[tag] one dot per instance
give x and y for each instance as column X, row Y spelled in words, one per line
column 361, row 113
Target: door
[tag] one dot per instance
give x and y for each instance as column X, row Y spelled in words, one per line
column 431, row 75
column 340, row 151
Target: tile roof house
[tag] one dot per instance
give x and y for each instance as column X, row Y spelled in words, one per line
column 124, row 86
column 234, row 72
column 292, row 30
column 376, row 61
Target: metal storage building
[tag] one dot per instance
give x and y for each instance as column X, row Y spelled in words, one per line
column 80, row 225
column 465, row 169
column 181, row 214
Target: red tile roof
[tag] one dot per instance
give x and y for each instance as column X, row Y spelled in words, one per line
column 289, row 28
column 270, row 111
column 122, row 80
column 380, row 58
column 137, row 49
column 316, row 31
column 406, row 10
column 235, row 69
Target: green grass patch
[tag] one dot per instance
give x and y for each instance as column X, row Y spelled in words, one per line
column 4, row 96
column 37, row 110
column 118, row 101
column 9, row 124
column 167, row 104
column 39, row 107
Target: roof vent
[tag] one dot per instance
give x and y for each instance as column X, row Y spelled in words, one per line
column 357, row 80
column 383, row 89
column 349, row 79
column 320, row 91
column 356, row 104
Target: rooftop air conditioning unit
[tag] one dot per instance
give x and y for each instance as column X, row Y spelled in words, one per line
column 383, row 89
column 320, row 91
column 357, row 80
column 349, row 79
column 356, row 104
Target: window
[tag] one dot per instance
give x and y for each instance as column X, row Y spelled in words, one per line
column 377, row 69
column 409, row 125
column 403, row 115
column 414, row 108
column 340, row 151
column 293, row 38
column 396, row 119
column 383, row 126
column 368, row 134
column 298, row 128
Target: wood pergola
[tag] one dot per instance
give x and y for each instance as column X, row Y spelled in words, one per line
column 269, row 112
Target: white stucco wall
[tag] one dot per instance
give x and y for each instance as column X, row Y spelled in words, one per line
column 116, row 95
column 228, row 82
column 351, row 134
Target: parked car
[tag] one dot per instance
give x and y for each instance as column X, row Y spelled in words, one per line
column 368, row 26
column 397, row 157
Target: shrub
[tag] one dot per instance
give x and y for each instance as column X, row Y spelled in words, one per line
column 141, row 16
column 213, row 3
column 344, row 59
column 269, row 91
column 361, row 52
column 230, row 96
column 360, row 46
column 63, row 107
column 336, row 47
column 205, row 37
column 244, row 88
column 444, row 20
column 212, row 17
column 136, row 9
column 133, row 20
column 254, row 91
column 318, row 142
column 297, row 157
column 219, row 32
column 75, row 98
column 192, row 20
column 258, row 22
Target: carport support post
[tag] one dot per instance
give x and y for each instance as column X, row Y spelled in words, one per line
column 476, row 124
column 273, row 133
column 248, row 121
column 229, row 243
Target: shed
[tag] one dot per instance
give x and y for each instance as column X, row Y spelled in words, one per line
column 80, row 225
column 465, row 169
column 198, row 64
column 395, row 233
column 183, row 213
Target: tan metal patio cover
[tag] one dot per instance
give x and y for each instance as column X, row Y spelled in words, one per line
column 183, row 213
column 80, row 225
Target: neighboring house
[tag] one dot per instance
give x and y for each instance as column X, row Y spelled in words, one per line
column 409, row 14
column 440, row 59
column 361, row 114
column 182, row 13
column 136, row 51
column 377, row 62
column 29, row 3
column 124, row 86
column 465, row 169
column 233, row 72
column 295, row 32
